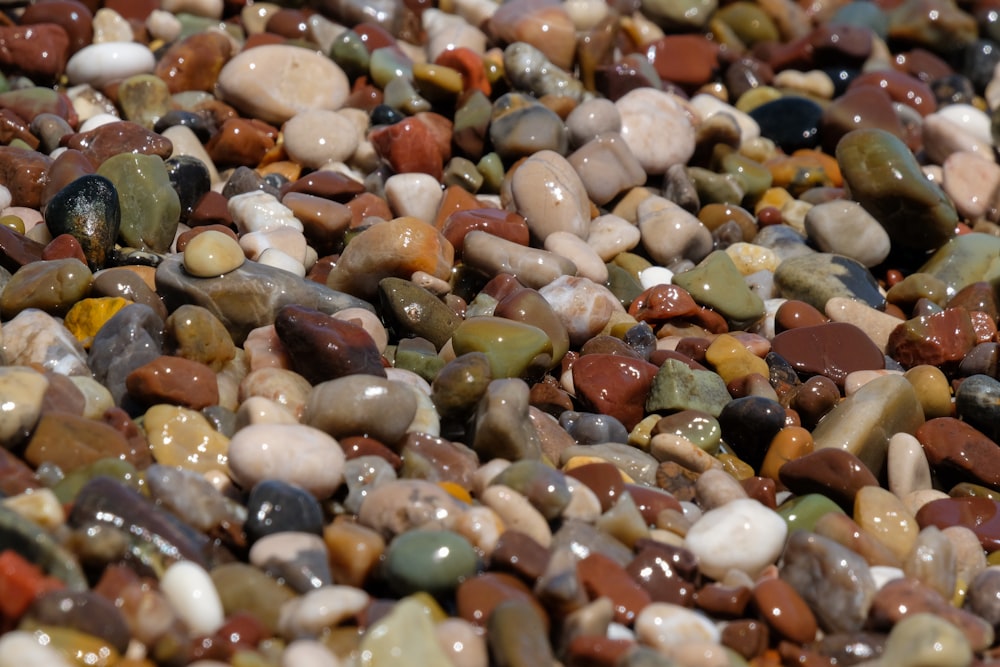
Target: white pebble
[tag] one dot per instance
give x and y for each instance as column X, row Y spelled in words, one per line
column 517, row 512
column 258, row 211
column 308, row 653
column 662, row 625
column 163, row 25
column 110, row 26
column 5, row 197
column 655, row 275
column 290, row 241
column 610, row 235
column 743, row 535
column 316, row 137
column 21, row 649
column 883, row 574
column 707, row 106
column 309, row 614
column 191, row 593
column 416, row 195
column 588, row 264
column 101, row 64
column 97, row 121
column 294, row 453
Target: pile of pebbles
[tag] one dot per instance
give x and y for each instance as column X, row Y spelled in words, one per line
column 625, row 333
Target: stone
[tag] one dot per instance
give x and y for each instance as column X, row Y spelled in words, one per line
column 976, row 403
column 436, row 561
column 655, row 128
column 845, row 228
column 918, row 341
column 870, row 161
column 174, row 380
column 87, row 209
column 322, row 347
column 276, row 507
column 759, row 531
column 835, row 473
column 818, row 277
column 371, row 405
column 833, row 350
column 183, row 437
column 272, row 82
column 677, row 387
column 101, row 64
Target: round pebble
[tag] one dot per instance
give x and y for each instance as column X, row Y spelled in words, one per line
column 211, row 254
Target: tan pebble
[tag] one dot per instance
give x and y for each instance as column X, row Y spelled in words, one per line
column 750, row 258
column 40, row 506
column 716, row 488
column 588, row 263
column 677, row 448
column 914, row 500
column 368, row 321
column 211, row 254
column 583, row 504
column 482, row 477
column 907, row 466
column 517, row 513
column 856, row 380
column 481, row 526
column 887, row 518
column 875, row 323
column 182, row 437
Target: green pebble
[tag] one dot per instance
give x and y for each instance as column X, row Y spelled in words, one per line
column 514, row 349
column 718, row 284
column 543, row 486
column 349, row 52
column 699, row 428
column 13, row 222
column 678, row 387
column 123, row 471
column 716, row 188
column 433, row 561
column 415, row 311
column 754, row 176
column 463, row 173
column 965, row 260
column 421, row 359
column 803, row 512
column 150, row 207
column 491, row 168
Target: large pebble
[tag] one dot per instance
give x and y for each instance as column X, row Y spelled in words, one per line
column 656, row 128
column 369, row 405
column 274, row 82
column 741, row 535
column 101, row 64
column 297, row 454
column 548, row 192
column 845, row 228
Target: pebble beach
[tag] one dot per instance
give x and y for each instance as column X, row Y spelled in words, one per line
column 456, row 333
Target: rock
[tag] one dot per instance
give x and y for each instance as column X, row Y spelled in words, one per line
column 885, row 178
column 174, row 380
column 371, row 405
column 656, row 128
column 101, row 64
column 88, row 210
column 752, row 534
column 323, row 347
column 832, row 349
column 273, row 82
column 436, row 561
column 845, row 228
column 818, row 277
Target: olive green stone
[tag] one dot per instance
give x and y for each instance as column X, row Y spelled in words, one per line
column 679, row 14
column 472, row 120
column 965, row 260
column 755, row 177
column 400, row 94
column 677, row 387
column 886, row 179
column 970, row 490
column 491, row 167
column 864, row 422
column 123, row 471
column 514, row 349
column 414, row 311
column 418, row 355
column 917, row 286
column 407, row 630
column 144, row 98
column 463, row 173
column 633, row 264
column 719, row 285
column 150, row 207
column 349, row 51
column 623, row 284
column 927, row 640
column 517, row 636
column 434, row 561
column 802, row 512
column 543, row 486
column 437, row 83
column 12, row 222
column 460, row 384
column 699, row 428
column 756, row 97
column 715, row 188
column 51, row 285
column 749, row 22
column 245, row 588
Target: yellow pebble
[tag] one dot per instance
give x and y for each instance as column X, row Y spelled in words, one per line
column 86, row 317
column 732, row 360
column 735, row 466
column 933, row 390
column 212, row 254
column 456, row 491
column 642, row 432
column 14, row 222
column 776, row 197
column 750, row 258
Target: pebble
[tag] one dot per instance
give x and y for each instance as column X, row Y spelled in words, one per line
column 557, row 307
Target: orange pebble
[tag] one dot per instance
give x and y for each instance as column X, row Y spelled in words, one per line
column 790, row 443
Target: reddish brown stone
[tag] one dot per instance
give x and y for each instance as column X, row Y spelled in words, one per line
column 762, row 489
column 37, row 51
column 119, row 137
column 507, row 225
column 195, row 62
column 604, row 479
column 597, row 651
column 614, row 385
column 833, row 472
column 327, row 184
column 470, row 65
column 834, row 349
column 785, row 612
column 859, row 108
column 722, row 600
column 211, row 209
column 14, row 127
column 358, row 445
column 603, row 577
column 174, row 380
column 651, row 501
column 76, row 19
column 140, row 454
column 69, row 166
column 519, row 554
column 64, row 246
column 241, row 142
column 793, row 314
column 960, row 453
column 981, row 515
column 438, row 460
column 408, row 146
column 936, row 340
column 902, row 88
column 289, row 23
column 689, row 61
column 71, row 442
column 677, row 480
column 665, row 572
column 747, row 637
column 23, row 172
column 324, row 348
column 16, row 250
column 476, row 598
column 905, row 596
column 15, row 476
column 368, row 205
column 978, row 296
